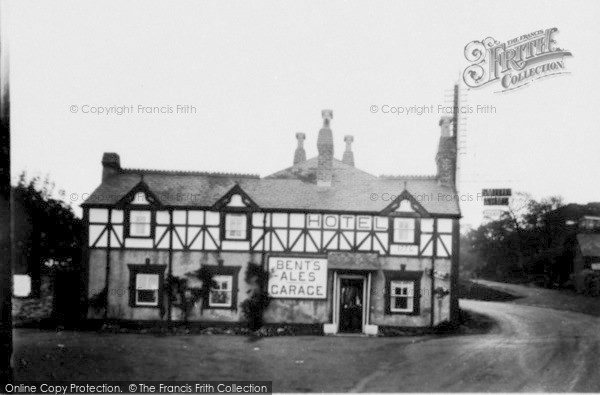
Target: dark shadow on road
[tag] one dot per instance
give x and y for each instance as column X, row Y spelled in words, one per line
column 475, row 291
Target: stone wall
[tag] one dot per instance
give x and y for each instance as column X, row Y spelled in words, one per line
column 32, row 310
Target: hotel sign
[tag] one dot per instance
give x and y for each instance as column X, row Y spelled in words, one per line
column 297, row 278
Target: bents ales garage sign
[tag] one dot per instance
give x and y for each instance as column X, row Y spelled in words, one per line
column 516, row 62
column 297, row 278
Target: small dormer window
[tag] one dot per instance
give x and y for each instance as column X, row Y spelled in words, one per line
column 236, row 201
column 405, row 207
column 140, row 223
column 140, row 198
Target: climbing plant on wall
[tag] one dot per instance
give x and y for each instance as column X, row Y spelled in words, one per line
column 258, row 299
column 184, row 296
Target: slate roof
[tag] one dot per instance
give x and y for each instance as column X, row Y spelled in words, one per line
column 589, row 243
column 294, row 188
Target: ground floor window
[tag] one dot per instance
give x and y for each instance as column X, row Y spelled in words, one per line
column 146, row 285
column 146, row 289
column 223, row 292
column 220, row 293
column 402, row 296
column 403, row 291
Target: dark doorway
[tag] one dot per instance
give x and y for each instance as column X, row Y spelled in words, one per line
column 351, row 305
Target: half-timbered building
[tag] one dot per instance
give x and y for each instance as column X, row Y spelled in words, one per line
column 345, row 249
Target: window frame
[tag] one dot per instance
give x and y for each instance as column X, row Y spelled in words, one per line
column 128, row 224
column 415, row 230
column 224, row 222
column 232, row 271
column 230, row 291
column 410, row 296
column 137, row 301
column 149, row 269
column 392, row 276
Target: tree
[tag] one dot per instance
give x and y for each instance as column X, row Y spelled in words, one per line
column 520, row 244
column 44, row 227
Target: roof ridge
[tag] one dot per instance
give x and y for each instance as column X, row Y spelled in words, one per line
column 405, row 176
column 190, row 173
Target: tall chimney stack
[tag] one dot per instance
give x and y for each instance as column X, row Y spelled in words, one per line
column 348, row 154
column 325, row 148
column 111, row 165
column 300, row 154
column 447, row 154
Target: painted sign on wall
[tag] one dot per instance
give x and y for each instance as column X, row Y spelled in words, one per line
column 298, row 278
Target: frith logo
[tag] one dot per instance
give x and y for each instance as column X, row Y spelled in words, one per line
column 516, row 62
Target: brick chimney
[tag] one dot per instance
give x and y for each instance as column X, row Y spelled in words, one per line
column 111, row 165
column 446, row 155
column 348, row 154
column 325, row 148
column 300, row 154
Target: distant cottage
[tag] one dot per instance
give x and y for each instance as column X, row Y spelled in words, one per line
column 338, row 252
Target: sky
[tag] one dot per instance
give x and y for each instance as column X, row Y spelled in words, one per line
column 259, row 72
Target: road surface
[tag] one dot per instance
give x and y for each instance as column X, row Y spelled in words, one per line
column 534, row 349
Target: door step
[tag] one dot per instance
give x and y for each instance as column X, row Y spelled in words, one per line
column 343, row 334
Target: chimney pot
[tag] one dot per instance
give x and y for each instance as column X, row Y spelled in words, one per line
column 111, row 165
column 446, row 126
column 300, row 154
column 348, row 157
column 327, row 116
column 325, row 148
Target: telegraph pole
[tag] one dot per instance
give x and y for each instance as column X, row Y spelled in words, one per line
column 5, row 217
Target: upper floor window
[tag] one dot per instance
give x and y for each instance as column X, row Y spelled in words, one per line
column 236, row 226
column 140, row 223
column 404, row 230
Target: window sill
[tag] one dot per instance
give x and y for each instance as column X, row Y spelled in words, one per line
column 219, row 308
column 402, row 313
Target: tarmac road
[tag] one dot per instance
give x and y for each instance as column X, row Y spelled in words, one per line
column 534, row 349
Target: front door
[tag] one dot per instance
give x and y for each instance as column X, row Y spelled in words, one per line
column 351, row 305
